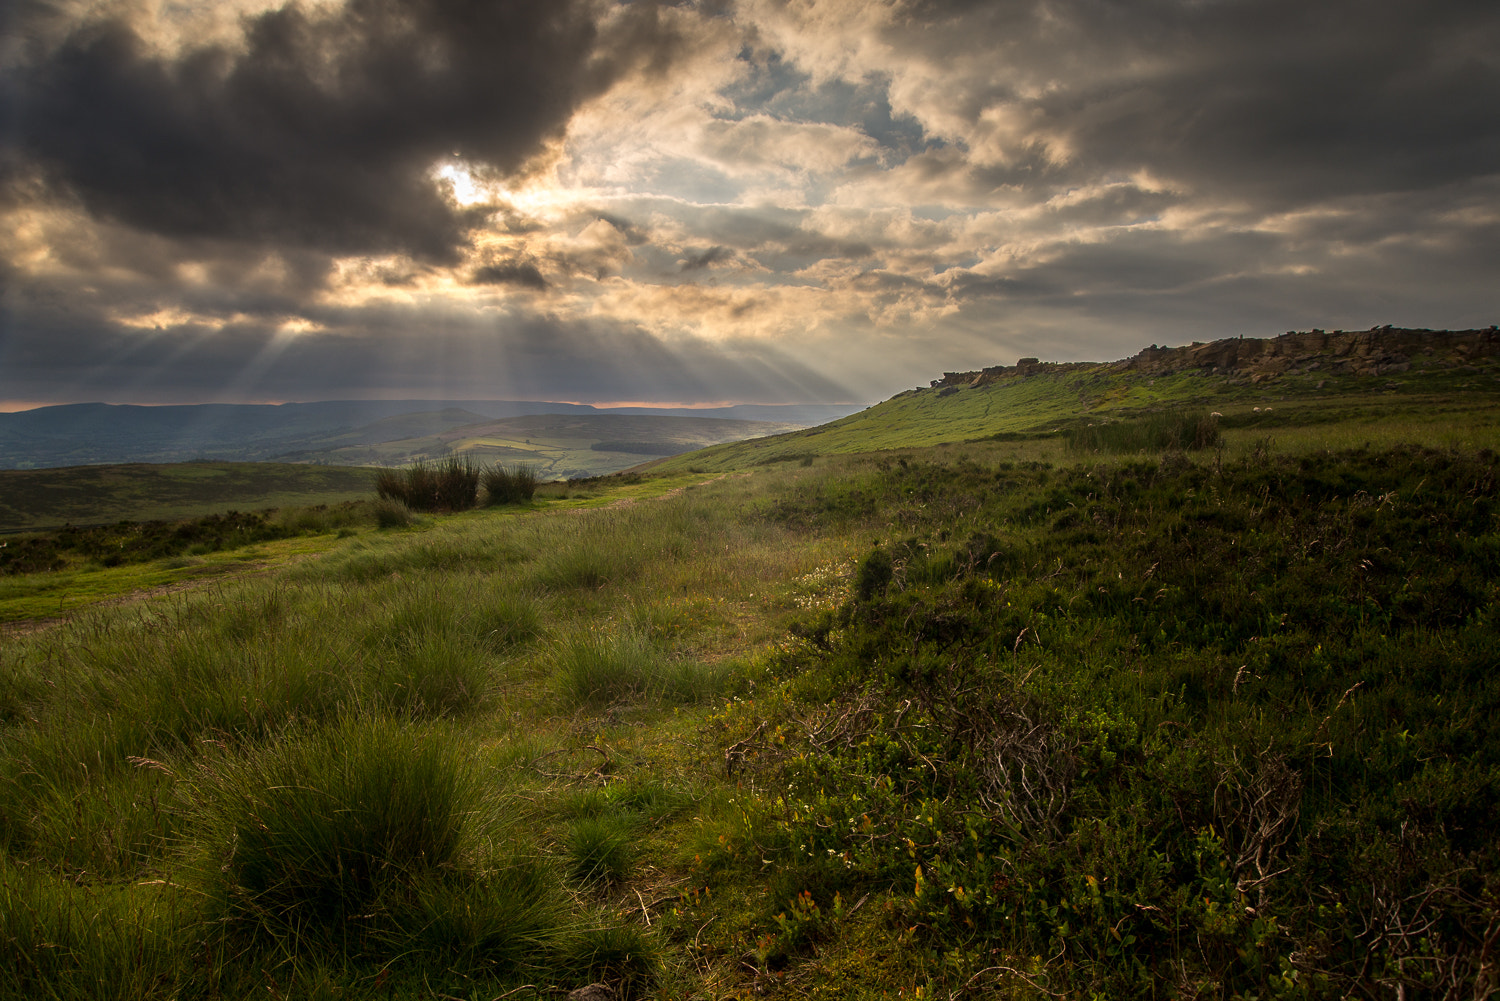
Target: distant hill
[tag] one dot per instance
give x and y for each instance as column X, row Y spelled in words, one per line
column 1317, row 370
column 92, row 433
column 558, row 446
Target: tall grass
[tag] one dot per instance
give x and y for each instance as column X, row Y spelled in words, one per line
column 508, row 484
column 63, row 940
column 320, row 827
column 1173, row 430
column 451, row 485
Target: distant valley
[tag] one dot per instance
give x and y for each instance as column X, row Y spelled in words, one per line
column 562, row 440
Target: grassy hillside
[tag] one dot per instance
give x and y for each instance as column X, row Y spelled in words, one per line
column 1433, row 398
column 948, row 721
column 1048, row 713
column 93, row 495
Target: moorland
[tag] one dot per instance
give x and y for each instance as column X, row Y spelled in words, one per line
column 1146, row 680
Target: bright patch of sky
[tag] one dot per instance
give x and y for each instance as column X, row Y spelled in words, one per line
column 754, row 201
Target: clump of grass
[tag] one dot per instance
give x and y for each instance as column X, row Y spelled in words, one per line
column 322, row 829
column 601, row 849
column 691, row 681
column 615, row 954
column 391, row 512
column 596, row 667
column 452, row 485
column 508, row 484
column 600, row 668
column 507, row 621
column 320, row 519
column 1175, row 430
column 432, row 677
column 429, row 657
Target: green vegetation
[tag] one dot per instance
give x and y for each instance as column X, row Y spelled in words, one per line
column 142, row 542
column 103, row 495
column 1085, row 715
column 1168, row 431
column 450, row 485
column 1432, row 401
column 508, row 484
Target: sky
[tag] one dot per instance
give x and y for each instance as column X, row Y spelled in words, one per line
column 726, row 201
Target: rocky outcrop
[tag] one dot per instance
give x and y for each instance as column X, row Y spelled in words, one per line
column 1377, row 351
column 1024, row 367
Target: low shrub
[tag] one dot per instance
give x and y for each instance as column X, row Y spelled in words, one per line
column 1146, row 737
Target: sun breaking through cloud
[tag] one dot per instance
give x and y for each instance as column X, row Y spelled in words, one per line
column 752, row 201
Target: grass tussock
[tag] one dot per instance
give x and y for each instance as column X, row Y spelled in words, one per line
column 319, row 828
column 392, row 513
column 450, row 485
column 508, row 484
column 600, row 667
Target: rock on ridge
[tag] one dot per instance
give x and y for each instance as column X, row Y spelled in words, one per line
column 1377, row 351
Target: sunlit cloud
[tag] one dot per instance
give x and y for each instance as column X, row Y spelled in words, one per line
column 738, row 201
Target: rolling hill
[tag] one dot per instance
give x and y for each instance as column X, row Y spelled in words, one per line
column 558, row 446
column 93, row 433
column 1295, row 379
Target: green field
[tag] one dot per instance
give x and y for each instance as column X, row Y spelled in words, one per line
column 1046, row 713
column 93, row 495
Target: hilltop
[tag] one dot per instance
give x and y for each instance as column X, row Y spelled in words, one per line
column 1322, row 377
column 1378, row 351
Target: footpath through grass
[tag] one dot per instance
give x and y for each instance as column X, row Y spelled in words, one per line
column 945, row 722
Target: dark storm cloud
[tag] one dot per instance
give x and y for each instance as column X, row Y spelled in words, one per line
column 1284, row 102
column 321, row 130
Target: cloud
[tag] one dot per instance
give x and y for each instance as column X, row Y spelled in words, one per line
column 713, row 255
column 321, row 126
column 522, row 273
column 832, row 195
column 390, row 351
